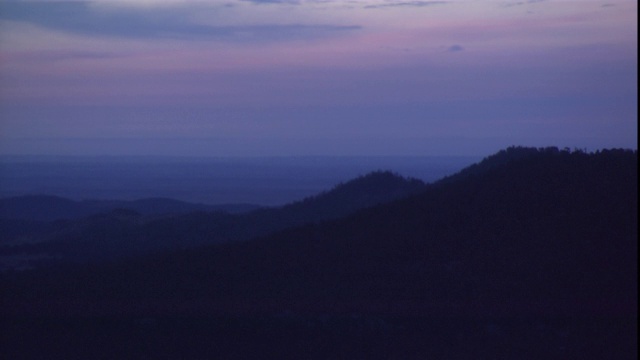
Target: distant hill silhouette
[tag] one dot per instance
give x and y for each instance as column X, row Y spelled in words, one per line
column 545, row 225
column 530, row 254
column 110, row 235
column 47, row 208
column 362, row 192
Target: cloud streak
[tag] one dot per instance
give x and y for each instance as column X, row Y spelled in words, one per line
column 161, row 23
column 406, row 4
column 294, row 2
column 46, row 56
column 455, row 48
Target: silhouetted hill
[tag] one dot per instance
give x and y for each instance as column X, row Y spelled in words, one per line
column 108, row 235
column 365, row 191
column 535, row 257
column 47, row 208
column 502, row 158
column 547, row 230
column 40, row 208
column 159, row 206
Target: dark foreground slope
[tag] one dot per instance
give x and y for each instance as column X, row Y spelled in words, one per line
column 535, row 257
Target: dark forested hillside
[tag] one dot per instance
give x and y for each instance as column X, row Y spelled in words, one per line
column 115, row 229
column 530, row 254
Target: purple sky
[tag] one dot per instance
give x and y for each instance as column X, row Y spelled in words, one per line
column 323, row 77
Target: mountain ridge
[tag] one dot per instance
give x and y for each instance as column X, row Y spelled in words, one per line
column 46, row 208
column 561, row 209
column 533, row 258
column 116, row 233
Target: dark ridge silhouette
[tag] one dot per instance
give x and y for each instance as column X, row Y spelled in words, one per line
column 16, row 230
column 533, row 257
column 39, row 208
column 109, row 235
column 162, row 206
column 46, row 208
column 503, row 157
column 362, row 192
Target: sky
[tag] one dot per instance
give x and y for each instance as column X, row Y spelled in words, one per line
column 316, row 77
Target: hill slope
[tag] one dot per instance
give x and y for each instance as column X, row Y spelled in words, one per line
column 120, row 233
column 543, row 228
column 532, row 258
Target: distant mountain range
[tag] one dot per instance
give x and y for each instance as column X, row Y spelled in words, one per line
column 100, row 230
column 50, row 208
column 531, row 253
